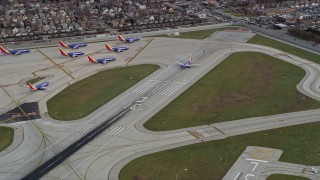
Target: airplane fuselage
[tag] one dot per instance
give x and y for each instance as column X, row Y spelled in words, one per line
column 19, row 51
column 131, row 40
column 105, row 60
column 186, row 65
column 75, row 54
column 42, row 86
column 120, row 49
column 77, row 46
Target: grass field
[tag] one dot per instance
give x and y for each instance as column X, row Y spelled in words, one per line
column 285, row 177
column 83, row 97
column 258, row 39
column 202, row 34
column 212, row 160
column 32, row 81
column 6, row 137
column 246, row 84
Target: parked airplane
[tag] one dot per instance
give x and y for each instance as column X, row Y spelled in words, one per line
column 72, row 46
column 314, row 170
column 102, row 60
column 128, row 40
column 187, row 64
column 14, row 52
column 116, row 49
column 41, row 86
column 71, row 54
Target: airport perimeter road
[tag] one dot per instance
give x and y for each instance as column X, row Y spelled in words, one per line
column 126, row 139
column 283, row 36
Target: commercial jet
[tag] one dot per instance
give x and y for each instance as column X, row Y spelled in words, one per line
column 187, row 64
column 41, row 86
column 315, row 170
column 128, row 40
column 14, row 51
column 101, row 60
column 116, row 49
column 72, row 46
column 71, row 54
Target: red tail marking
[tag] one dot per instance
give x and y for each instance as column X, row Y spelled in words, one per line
column 92, row 60
column 63, row 53
column 4, row 50
column 32, row 88
column 63, row 44
column 109, row 47
column 121, row 38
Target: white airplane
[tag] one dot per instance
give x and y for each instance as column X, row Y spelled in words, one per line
column 315, row 170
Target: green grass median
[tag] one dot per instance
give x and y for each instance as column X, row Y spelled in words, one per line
column 83, row 97
column 6, row 137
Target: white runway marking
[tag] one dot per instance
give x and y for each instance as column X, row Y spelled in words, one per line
column 162, row 88
column 236, row 176
column 116, row 131
column 85, row 127
column 146, row 87
column 248, row 159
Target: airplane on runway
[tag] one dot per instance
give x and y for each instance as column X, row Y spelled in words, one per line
column 116, row 49
column 314, row 170
column 71, row 54
column 72, row 46
column 128, row 40
column 101, row 60
column 187, row 64
column 41, row 86
column 14, row 51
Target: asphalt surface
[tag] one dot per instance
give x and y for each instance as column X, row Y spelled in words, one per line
column 26, row 111
column 126, row 139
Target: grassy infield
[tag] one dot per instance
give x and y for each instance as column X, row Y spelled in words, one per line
column 254, row 96
column 32, row 81
column 87, row 95
column 6, row 137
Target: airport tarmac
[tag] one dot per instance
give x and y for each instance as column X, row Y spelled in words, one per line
column 127, row 139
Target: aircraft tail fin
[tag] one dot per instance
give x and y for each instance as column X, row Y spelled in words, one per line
column 63, row 44
column 190, row 59
column 121, row 38
column 63, row 52
column 92, row 59
column 109, row 47
column 32, row 88
column 4, row 50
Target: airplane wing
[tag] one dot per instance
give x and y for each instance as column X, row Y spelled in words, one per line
column 17, row 53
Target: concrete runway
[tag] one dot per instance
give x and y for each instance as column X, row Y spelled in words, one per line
column 127, row 139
